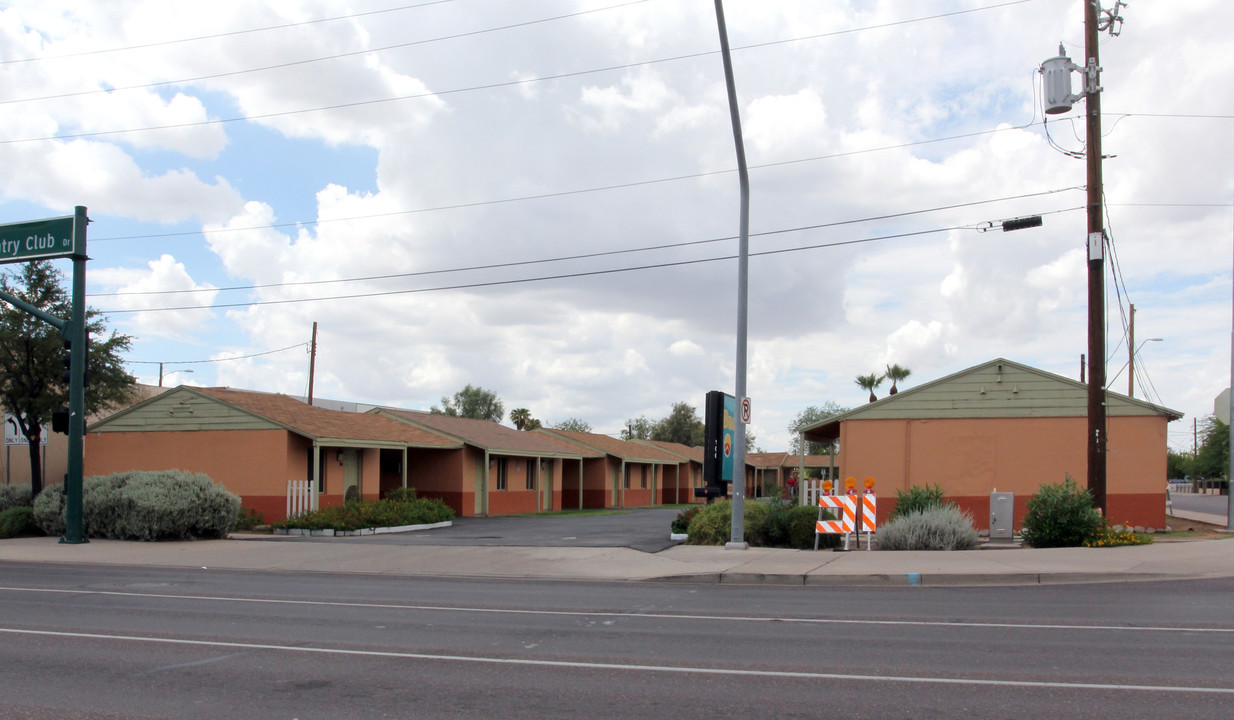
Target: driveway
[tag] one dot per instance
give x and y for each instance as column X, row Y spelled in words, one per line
column 645, row 529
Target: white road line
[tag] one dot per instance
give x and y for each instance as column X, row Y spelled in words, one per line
column 654, row 616
column 629, row 666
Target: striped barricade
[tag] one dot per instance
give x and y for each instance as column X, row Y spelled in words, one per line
column 869, row 515
column 846, row 507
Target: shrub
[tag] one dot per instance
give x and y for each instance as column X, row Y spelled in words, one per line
column 942, row 527
column 12, row 496
column 681, row 523
column 148, row 505
column 18, row 520
column 357, row 515
column 774, row 524
column 248, row 519
column 1060, row 515
column 401, row 494
column 917, row 499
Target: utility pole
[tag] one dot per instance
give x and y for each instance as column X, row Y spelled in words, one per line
column 312, row 362
column 1096, row 264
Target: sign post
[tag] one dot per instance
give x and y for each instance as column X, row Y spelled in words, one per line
column 63, row 237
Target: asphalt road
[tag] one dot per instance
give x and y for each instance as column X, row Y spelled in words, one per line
column 1210, row 504
column 645, row 529
column 120, row 642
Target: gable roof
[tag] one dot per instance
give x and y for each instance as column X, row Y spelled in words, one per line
column 999, row 388
column 624, row 449
column 693, row 454
column 188, row 408
column 488, row 435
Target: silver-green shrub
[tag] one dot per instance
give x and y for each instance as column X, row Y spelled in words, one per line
column 150, row 505
column 944, row 527
column 14, row 496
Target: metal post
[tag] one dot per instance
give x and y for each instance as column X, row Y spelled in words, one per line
column 77, row 386
column 1229, row 483
column 1096, row 266
column 737, row 538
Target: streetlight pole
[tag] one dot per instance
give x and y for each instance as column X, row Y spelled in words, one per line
column 737, row 536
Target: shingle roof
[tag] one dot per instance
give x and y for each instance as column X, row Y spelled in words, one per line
column 692, row 453
column 322, row 423
column 490, row 435
column 619, row 448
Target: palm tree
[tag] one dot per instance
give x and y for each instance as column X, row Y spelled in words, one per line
column 521, row 417
column 895, row 373
column 869, row 382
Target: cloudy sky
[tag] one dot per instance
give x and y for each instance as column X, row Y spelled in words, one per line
column 540, row 197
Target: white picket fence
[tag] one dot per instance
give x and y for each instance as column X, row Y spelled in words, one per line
column 809, row 490
column 299, row 497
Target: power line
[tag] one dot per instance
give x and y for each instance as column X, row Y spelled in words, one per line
column 586, row 256
column 493, row 86
column 567, row 193
column 223, row 34
column 307, row 61
column 214, row 360
column 564, row 276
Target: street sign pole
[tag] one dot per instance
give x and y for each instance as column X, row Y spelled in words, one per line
column 76, row 334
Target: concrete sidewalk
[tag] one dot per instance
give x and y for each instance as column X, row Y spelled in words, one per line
column 1019, row 566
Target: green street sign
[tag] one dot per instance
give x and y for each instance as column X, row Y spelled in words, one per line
column 37, row 239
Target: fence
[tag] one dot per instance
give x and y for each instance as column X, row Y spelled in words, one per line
column 299, row 497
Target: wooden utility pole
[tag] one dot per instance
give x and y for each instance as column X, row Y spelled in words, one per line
column 312, row 362
column 1096, row 264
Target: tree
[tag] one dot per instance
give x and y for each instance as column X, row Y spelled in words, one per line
column 522, row 419
column 471, row 402
column 573, row 425
column 895, row 374
column 869, row 382
column 682, row 425
column 1213, row 459
column 32, row 386
column 638, row 428
column 813, row 415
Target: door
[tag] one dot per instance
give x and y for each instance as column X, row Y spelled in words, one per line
column 351, row 474
column 546, row 485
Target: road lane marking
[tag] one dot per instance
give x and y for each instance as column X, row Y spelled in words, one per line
column 951, row 624
column 579, row 665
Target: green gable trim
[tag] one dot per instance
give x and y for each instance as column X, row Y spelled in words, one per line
column 182, row 410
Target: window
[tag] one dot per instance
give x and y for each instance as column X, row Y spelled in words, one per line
column 626, row 479
column 531, row 475
column 644, row 477
column 500, row 464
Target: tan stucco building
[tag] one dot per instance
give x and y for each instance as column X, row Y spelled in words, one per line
column 1007, row 427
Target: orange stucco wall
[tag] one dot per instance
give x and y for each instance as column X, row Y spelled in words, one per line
column 970, row 458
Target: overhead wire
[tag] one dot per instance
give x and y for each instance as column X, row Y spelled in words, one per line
column 230, row 33
column 215, row 360
column 563, row 276
column 496, row 85
column 586, row 256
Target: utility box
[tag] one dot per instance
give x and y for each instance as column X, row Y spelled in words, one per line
column 1002, row 516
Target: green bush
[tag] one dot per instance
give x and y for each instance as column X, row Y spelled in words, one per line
column 18, row 520
column 943, row 527
column 917, row 499
column 401, row 494
column 774, row 524
column 12, row 496
column 148, row 505
column 681, row 523
column 1061, row 515
column 358, row 515
column 249, row 519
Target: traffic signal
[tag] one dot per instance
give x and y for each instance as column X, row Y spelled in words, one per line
column 66, row 376
column 60, row 421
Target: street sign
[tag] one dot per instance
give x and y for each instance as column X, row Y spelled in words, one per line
column 745, row 410
column 12, row 436
column 37, row 239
